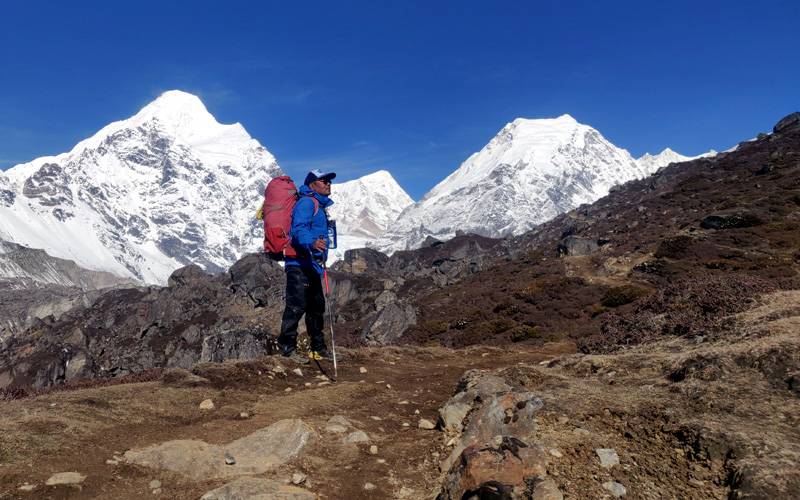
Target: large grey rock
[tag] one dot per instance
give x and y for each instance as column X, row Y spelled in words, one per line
column 251, row 488
column 254, row 454
column 473, row 387
column 390, row 323
column 575, row 246
column 787, row 123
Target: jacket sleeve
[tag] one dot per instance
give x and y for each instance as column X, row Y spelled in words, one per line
column 302, row 221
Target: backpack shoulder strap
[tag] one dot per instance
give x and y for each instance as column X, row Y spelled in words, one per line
column 316, row 203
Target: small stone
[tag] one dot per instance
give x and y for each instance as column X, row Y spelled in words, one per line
column 298, row 478
column 157, row 491
column 369, row 486
column 288, row 389
column 357, row 437
column 608, row 457
column 373, row 450
column 155, row 483
column 323, row 383
column 336, row 428
column 452, row 442
column 308, row 384
column 112, row 462
column 403, row 402
column 580, row 432
column 546, row 489
column 207, row 404
column 323, row 377
column 375, row 418
column 426, row 424
column 362, row 370
column 279, row 369
column 244, row 415
column 298, row 372
column 406, row 424
column 615, row 488
column 229, row 460
column 556, row 453
column 65, row 478
column 416, row 412
column 381, row 461
column 27, row 487
column 696, row 482
column 563, row 420
column 339, row 420
column 388, row 386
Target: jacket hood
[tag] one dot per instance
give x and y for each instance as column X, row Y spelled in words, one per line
column 324, row 201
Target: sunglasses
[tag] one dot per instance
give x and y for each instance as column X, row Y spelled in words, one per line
column 324, row 181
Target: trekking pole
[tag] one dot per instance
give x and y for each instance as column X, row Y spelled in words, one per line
column 330, row 315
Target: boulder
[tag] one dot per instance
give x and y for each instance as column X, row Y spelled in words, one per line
column 187, row 275
column 263, row 450
column 509, row 414
column 390, row 323
column 787, row 123
column 574, row 246
column 496, row 469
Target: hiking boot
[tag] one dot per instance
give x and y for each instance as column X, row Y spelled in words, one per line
column 324, row 354
column 297, row 358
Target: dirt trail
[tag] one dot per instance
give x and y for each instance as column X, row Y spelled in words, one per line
column 623, row 403
column 81, row 430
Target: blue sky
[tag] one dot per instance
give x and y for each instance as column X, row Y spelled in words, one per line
column 411, row 87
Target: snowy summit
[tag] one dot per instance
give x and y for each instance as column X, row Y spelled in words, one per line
column 144, row 196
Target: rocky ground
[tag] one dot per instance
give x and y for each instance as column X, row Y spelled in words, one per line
column 673, row 419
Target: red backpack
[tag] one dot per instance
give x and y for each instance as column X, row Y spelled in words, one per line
column 276, row 211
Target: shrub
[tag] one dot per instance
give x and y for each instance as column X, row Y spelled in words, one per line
column 621, row 295
column 434, row 327
column 554, row 336
column 674, row 248
column 523, row 332
column 686, row 308
column 502, row 325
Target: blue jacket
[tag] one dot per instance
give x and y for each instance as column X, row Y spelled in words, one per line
column 307, row 227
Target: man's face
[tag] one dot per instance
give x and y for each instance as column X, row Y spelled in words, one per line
column 321, row 186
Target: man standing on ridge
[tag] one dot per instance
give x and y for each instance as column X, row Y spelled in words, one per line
column 303, row 273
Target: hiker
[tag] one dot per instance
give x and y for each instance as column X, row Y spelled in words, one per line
column 304, row 292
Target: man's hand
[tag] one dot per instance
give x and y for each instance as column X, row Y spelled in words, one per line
column 319, row 245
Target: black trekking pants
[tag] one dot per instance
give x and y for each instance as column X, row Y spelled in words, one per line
column 303, row 296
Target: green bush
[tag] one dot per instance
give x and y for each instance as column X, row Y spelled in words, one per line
column 434, row 327
column 621, row 295
column 523, row 332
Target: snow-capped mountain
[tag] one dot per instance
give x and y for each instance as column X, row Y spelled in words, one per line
column 367, row 206
column 364, row 209
column 530, row 172
column 650, row 163
column 168, row 187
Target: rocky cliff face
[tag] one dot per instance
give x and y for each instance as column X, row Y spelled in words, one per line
column 34, row 285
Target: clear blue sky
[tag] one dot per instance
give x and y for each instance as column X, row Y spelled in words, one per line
column 413, row 87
